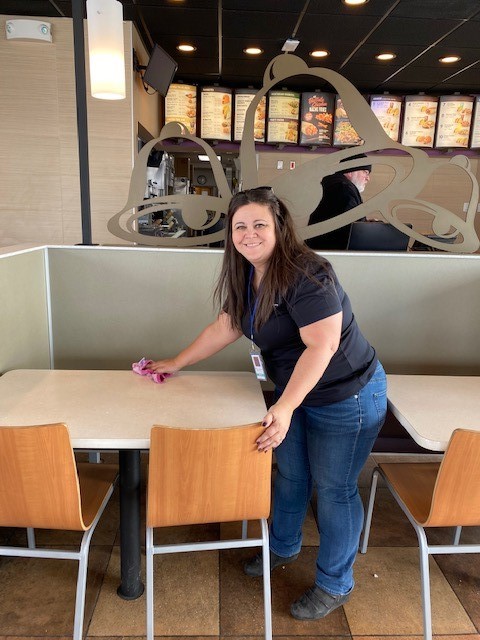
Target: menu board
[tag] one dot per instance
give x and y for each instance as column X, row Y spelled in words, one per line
column 316, row 118
column 243, row 98
column 454, row 119
column 344, row 135
column 283, row 110
column 216, row 113
column 475, row 137
column 388, row 110
column 419, row 121
column 181, row 105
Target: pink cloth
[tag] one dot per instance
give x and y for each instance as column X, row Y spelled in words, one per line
column 140, row 367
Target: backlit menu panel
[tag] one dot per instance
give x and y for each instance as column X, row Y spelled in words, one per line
column 419, row 121
column 243, row 98
column 475, row 135
column 216, row 113
column 181, row 105
column 454, row 120
column 316, row 118
column 283, row 112
column 388, row 110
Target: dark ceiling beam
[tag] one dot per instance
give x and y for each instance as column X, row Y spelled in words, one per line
column 434, row 44
column 456, row 73
column 144, row 31
column 300, row 18
column 220, row 38
column 57, row 8
column 364, row 40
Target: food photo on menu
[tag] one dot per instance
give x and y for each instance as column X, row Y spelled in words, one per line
column 316, row 119
column 260, row 119
column 344, row 134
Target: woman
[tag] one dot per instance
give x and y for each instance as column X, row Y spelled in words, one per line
column 330, row 397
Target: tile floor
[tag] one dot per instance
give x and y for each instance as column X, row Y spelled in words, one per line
column 206, row 595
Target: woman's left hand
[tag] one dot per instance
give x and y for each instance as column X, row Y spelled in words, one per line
column 276, row 423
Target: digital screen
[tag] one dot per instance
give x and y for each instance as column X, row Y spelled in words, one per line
column 160, row 70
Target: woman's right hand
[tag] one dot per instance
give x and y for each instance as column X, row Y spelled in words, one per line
column 164, row 366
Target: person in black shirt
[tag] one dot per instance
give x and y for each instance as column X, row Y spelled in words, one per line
column 330, row 397
column 341, row 192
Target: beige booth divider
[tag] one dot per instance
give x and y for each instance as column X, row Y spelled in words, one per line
column 110, row 306
column 24, row 326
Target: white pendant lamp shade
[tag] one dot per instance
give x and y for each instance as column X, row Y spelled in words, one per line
column 105, row 48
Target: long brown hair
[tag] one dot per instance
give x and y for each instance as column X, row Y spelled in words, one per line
column 290, row 258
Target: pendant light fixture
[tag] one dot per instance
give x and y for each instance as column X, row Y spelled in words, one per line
column 105, row 48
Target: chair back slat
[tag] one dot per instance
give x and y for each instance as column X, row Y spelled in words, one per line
column 456, row 497
column 207, row 475
column 38, row 479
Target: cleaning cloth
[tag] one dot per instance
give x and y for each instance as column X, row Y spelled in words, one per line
column 140, row 367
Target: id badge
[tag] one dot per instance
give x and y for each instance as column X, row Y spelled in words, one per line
column 258, row 364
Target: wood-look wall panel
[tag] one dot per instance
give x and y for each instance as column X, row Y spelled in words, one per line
column 39, row 153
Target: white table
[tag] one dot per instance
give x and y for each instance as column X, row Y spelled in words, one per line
column 116, row 410
column 432, row 407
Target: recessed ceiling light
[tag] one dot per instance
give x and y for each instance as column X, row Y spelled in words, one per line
column 448, row 59
column 385, row 56
column 253, row 51
column 354, row 2
column 319, row 53
column 186, row 47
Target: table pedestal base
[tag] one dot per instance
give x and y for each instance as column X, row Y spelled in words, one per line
column 131, row 586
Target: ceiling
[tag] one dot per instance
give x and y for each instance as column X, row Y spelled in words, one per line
column 419, row 32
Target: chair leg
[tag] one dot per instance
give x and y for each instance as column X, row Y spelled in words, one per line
column 425, row 581
column 244, row 529
column 81, row 585
column 368, row 515
column 31, row 538
column 149, row 583
column 83, row 568
column 458, row 533
column 267, row 596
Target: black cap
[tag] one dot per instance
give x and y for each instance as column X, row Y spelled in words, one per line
column 366, row 167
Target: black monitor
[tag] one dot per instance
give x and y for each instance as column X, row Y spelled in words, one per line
column 377, row 236
column 160, row 70
column 420, row 246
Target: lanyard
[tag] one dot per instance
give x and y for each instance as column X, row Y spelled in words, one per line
column 255, row 354
column 254, row 311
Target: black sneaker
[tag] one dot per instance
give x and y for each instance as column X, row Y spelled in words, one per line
column 254, row 566
column 316, row 603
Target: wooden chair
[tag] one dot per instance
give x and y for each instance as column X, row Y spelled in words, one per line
column 41, row 487
column 445, row 494
column 207, row 475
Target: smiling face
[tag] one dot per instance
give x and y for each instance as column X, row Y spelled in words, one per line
column 253, row 234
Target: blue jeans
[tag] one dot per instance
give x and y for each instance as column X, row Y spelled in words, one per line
column 327, row 446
